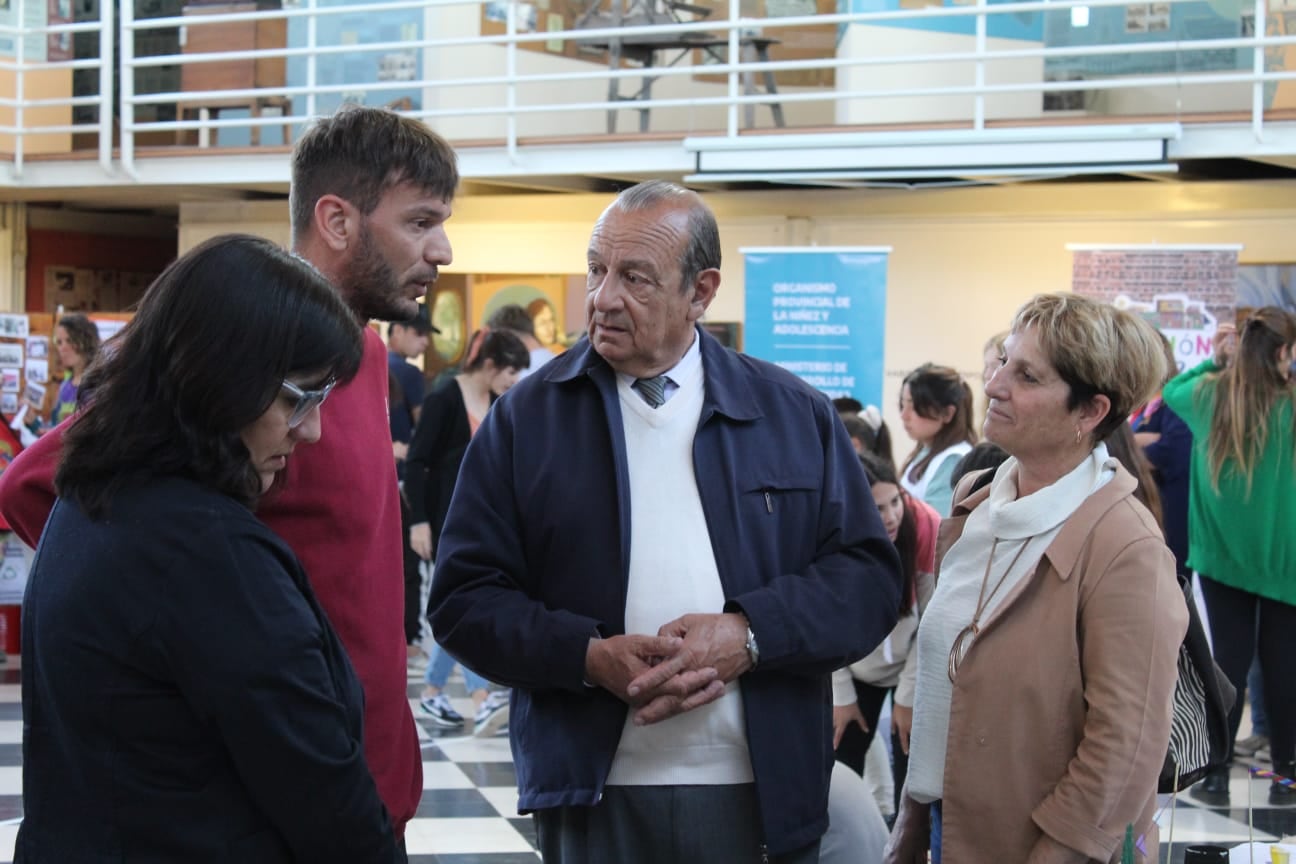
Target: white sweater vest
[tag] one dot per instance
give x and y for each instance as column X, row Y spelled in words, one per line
column 672, row 573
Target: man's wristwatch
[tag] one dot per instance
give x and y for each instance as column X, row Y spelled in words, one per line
column 753, row 650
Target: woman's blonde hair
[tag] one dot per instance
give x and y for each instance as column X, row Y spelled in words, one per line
column 1097, row 349
column 1246, row 393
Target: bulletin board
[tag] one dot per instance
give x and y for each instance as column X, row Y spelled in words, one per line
column 26, row 364
column 78, row 289
column 545, row 16
column 29, row 366
column 801, row 42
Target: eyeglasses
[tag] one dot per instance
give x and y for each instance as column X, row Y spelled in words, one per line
column 306, row 400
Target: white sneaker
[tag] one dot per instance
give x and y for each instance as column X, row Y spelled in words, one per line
column 492, row 715
column 443, row 714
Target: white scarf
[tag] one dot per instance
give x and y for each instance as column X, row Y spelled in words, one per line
column 1019, row 531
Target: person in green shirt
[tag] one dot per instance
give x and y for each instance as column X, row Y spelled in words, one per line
column 1242, row 519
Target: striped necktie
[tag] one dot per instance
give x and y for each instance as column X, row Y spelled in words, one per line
column 653, row 390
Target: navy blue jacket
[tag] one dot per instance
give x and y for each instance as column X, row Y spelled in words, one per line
column 184, row 697
column 534, row 560
column 1170, row 457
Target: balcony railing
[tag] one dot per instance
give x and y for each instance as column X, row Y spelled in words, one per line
column 233, row 75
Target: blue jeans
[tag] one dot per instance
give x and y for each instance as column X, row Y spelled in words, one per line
column 440, row 664
column 935, row 832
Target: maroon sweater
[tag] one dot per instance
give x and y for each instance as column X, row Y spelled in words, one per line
column 339, row 510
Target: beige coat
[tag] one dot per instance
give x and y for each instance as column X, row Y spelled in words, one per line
column 1060, row 715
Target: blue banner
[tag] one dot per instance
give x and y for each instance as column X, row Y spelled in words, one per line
column 820, row 313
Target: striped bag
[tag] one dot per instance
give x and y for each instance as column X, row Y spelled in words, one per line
column 1202, row 699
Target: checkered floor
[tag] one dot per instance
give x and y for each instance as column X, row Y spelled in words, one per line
column 468, row 814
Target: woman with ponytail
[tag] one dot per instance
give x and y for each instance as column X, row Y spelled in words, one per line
column 936, row 410
column 1242, row 520
column 450, row 417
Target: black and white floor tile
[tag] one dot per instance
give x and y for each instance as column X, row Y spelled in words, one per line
column 468, row 814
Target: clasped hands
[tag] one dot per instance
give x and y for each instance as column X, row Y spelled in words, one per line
column 685, row 666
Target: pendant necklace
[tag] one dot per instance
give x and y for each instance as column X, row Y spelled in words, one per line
column 963, row 641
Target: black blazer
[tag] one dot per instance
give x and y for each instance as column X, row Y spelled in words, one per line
column 184, row 697
column 435, row 453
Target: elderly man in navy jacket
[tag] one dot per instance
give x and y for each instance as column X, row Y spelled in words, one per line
column 665, row 548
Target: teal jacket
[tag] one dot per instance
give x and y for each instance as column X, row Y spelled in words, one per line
column 1245, row 538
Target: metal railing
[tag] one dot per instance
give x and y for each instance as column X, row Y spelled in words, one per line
column 29, row 60
column 525, row 83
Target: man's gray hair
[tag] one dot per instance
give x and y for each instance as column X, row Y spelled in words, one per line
column 703, row 249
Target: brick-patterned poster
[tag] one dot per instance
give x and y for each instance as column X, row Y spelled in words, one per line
column 1185, row 292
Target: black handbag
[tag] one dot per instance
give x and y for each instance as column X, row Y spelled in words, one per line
column 1202, row 699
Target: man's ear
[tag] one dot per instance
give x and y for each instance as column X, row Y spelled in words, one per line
column 336, row 221
column 704, row 291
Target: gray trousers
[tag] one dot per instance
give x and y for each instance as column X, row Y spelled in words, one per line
column 662, row 825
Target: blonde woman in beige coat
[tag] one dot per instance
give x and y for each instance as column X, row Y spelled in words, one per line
column 1047, row 656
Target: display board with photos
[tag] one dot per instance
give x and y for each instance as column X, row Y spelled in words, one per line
column 799, row 42
column 79, row 289
column 538, row 16
column 26, row 365
column 29, row 364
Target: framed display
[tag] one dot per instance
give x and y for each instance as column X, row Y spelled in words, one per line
column 799, row 42
column 542, row 296
column 447, row 315
column 547, row 16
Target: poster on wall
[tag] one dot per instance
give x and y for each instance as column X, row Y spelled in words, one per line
column 13, row 326
column 541, row 296
column 820, row 313
column 59, row 45
column 1183, row 291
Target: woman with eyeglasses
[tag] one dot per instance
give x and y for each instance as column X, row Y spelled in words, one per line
column 184, row 696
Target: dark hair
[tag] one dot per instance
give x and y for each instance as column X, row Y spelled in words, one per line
column 513, row 317
column 906, row 541
column 981, row 456
column 1121, row 444
column 847, row 405
column 205, row 356
column 359, row 153
column 501, row 347
column 702, row 252
column 82, row 333
column 419, row 323
column 933, row 389
column 876, row 441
